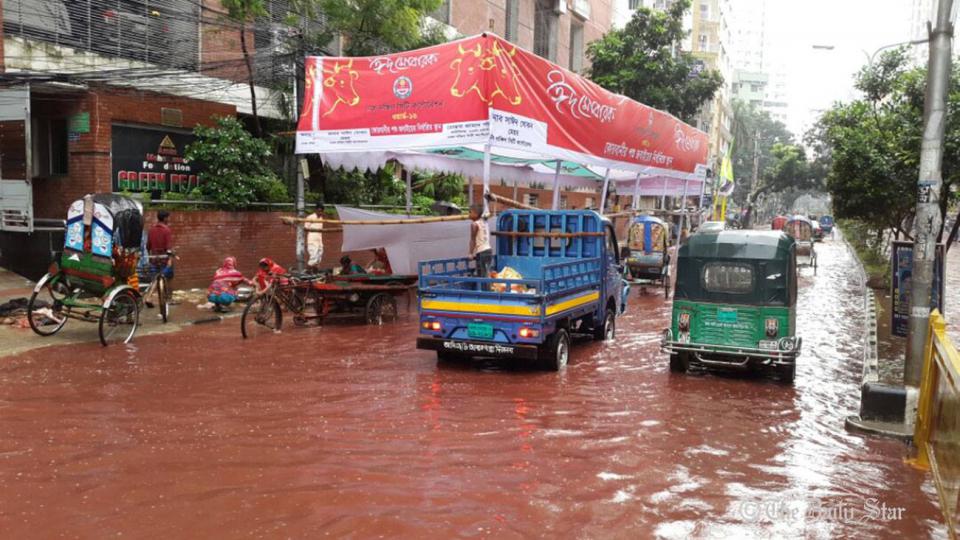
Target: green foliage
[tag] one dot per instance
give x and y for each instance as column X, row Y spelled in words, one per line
column 872, row 145
column 245, row 10
column 869, row 247
column 355, row 188
column 441, row 187
column 372, row 27
column 643, row 61
column 235, row 171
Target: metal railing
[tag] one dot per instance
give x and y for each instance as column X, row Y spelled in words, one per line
column 937, row 433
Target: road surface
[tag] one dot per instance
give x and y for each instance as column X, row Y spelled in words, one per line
column 348, row 430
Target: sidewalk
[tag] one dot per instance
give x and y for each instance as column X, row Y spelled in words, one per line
column 15, row 339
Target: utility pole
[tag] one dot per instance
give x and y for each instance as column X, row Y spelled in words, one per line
column 299, row 164
column 927, row 222
column 756, row 175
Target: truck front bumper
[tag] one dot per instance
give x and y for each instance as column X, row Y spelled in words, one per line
column 479, row 348
column 733, row 356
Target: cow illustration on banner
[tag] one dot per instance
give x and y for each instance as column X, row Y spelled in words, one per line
column 475, row 64
column 338, row 87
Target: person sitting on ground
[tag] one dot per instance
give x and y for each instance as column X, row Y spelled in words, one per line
column 223, row 290
column 268, row 270
column 348, row 267
column 381, row 264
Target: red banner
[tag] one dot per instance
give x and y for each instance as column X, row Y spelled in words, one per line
column 484, row 89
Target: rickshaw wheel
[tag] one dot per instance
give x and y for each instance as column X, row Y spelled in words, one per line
column 162, row 304
column 381, row 309
column 118, row 323
column 261, row 315
column 48, row 295
column 679, row 363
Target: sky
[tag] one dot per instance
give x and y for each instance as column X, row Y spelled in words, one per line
column 853, row 28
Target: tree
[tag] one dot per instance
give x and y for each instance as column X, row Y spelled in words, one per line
column 372, row 27
column 873, row 145
column 755, row 133
column 245, row 12
column 235, row 169
column 643, row 61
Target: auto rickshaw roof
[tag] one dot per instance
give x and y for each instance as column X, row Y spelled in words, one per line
column 117, row 204
column 734, row 244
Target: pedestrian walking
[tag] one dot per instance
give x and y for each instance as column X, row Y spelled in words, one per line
column 480, row 250
column 160, row 245
column 315, row 238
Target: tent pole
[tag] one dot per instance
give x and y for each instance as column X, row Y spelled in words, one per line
column 486, row 177
column 603, row 193
column 409, row 176
column 636, row 193
column 683, row 206
column 556, row 187
column 663, row 195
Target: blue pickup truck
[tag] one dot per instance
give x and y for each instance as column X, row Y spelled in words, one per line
column 569, row 283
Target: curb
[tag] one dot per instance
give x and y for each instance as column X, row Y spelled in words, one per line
column 882, row 407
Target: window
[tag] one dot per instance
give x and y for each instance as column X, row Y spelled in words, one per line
column 49, row 138
column 634, row 4
column 513, row 20
column 576, row 46
column 545, row 30
column 728, row 278
column 532, row 199
column 704, row 11
column 703, row 42
column 442, row 13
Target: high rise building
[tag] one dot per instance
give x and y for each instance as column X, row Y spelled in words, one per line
column 710, row 39
column 758, row 59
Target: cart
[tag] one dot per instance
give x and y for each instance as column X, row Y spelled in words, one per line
column 313, row 297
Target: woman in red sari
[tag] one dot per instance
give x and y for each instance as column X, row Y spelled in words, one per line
column 223, row 291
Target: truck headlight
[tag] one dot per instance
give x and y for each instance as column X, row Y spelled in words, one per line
column 788, row 344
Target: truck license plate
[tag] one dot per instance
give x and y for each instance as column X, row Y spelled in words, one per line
column 480, row 330
column 768, row 345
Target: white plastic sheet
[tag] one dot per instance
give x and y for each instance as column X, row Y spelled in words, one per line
column 406, row 244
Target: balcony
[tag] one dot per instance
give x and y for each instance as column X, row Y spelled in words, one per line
column 581, row 8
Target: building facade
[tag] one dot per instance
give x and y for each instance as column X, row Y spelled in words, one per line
column 710, row 42
column 558, row 30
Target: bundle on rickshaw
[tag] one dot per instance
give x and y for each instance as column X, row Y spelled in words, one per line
column 801, row 229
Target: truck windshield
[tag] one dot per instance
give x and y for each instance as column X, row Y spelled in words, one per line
column 728, row 278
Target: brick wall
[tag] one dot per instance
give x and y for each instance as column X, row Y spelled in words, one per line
column 203, row 239
column 90, row 168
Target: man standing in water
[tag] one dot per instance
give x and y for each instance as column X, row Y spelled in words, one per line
column 315, row 238
column 480, row 249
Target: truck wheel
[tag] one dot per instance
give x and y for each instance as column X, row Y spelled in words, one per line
column 608, row 330
column 558, row 351
column 679, row 363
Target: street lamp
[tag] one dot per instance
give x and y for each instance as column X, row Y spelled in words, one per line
column 871, row 57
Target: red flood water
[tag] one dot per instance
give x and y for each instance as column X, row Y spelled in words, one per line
column 349, row 431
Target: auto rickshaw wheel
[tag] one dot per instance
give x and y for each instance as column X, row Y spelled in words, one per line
column 679, row 362
column 608, row 330
column 557, row 353
column 48, row 299
column 787, row 374
column 119, row 321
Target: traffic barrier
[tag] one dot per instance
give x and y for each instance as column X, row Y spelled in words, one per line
column 937, row 432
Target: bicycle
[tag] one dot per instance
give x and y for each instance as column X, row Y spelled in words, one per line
column 154, row 273
column 264, row 313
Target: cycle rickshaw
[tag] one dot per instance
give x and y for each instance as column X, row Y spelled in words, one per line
column 96, row 278
column 647, row 254
column 802, row 231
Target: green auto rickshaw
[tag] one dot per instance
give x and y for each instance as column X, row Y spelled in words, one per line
column 735, row 303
